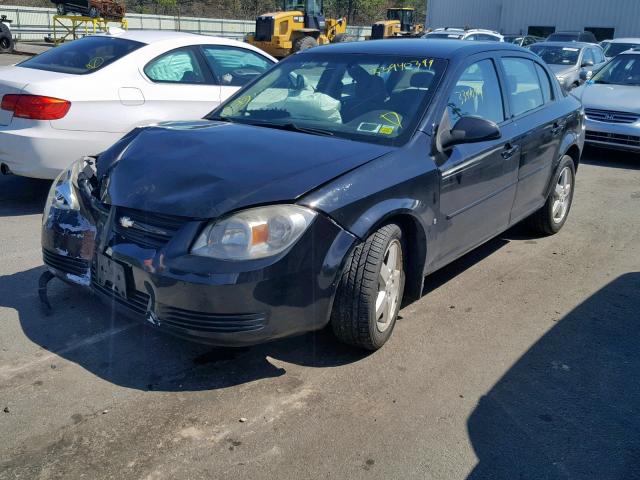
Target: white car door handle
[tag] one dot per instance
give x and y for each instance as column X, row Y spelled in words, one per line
column 130, row 96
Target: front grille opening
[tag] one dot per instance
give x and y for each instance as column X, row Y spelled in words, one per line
column 613, row 138
column 146, row 229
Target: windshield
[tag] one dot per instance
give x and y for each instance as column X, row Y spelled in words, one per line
column 615, row 49
column 556, row 55
column 82, row 56
column 446, row 36
column 513, row 39
column 370, row 98
column 622, row 70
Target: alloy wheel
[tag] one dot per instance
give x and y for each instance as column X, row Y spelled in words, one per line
column 562, row 195
column 388, row 286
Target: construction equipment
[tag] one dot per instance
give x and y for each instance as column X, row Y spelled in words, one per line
column 399, row 23
column 300, row 25
column 74, row 27
column 6, row 38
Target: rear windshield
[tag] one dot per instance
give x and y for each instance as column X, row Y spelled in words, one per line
column 82, row 56
column 563, row 37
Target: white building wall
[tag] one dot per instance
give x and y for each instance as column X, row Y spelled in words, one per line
column 515, row 16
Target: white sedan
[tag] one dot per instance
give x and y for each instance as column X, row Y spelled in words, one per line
column 79, row 98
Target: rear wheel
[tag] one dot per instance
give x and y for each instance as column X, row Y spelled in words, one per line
column 304, row 43
column 553, row 215
column 370, row 291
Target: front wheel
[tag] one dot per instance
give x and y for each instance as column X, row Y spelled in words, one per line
column 370, row 291
column 553, row 215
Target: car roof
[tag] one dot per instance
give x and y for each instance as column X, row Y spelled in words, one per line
column 462, row 30
column 568, row 44
column 154, row 36
column 625, row 40
column 416, row 47
column 178, row 39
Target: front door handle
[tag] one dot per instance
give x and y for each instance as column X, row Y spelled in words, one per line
column 509, row 151
column 557, row 128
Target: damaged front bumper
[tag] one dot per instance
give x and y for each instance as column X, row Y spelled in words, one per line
column 147, row 272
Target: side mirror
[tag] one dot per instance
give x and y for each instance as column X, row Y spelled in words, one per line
column 469, row 130
column 584, row 76
column 587, row 63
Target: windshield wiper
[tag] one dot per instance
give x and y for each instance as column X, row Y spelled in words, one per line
column 292, row 127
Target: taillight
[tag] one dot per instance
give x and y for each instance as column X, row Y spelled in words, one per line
column 35, row 107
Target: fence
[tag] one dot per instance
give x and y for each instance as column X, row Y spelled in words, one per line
column 32, row 23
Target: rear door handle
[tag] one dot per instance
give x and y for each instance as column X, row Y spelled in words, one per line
column 509, row 151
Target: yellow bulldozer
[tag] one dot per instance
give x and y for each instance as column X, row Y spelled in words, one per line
column 399, row 23
column 300, row 25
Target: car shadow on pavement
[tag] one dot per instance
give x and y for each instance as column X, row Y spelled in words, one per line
column 602, row 157
column 135, row 355
column 22, row 196
column 570, row 407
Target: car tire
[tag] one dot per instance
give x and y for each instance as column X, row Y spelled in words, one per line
column 370, row 291
column 93, row 12
column 61, row 8
column 304, row 43
column 6, row 39
column 553, row 215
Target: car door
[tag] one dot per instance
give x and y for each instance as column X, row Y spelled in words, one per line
column 179, row 86
column 234, row 67
column 540, row 127
column 477, row 180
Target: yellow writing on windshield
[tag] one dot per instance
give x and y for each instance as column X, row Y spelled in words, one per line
column 404, row 66
column 94, row 63
column 393, row 118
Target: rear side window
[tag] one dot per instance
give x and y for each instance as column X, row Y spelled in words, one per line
column 177, row 66
column 477, row 93
column 545, row 83
column 234, row 66
column 83, row 56
column 524, row 88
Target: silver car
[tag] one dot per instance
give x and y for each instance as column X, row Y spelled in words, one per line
column 568, row 59
column 611, row 101
column 615, row 47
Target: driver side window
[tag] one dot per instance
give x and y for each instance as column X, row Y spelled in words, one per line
column 477, row 93
column 234, row 67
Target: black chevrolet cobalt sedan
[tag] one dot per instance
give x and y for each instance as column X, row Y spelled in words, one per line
column 322, row 193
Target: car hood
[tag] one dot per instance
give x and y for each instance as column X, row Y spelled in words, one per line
column 560, row 70
column 611, row 97
column 205, row 169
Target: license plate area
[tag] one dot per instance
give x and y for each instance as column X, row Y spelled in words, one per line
column 111, row 275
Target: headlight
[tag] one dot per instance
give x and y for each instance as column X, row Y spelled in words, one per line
column 254, row 233
column 62, row 194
